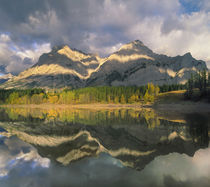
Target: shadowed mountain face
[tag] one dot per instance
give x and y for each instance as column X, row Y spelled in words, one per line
column 135, row 64
column 132, row 64
column 134, row 143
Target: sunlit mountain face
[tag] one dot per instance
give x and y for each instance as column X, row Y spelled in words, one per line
column 134, row 64
column 126, row 143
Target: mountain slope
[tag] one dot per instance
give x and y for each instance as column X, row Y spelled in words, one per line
column 62, row 67
column 135, row 64
column 132, row 64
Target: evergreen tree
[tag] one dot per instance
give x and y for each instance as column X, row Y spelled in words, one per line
column 190, row 85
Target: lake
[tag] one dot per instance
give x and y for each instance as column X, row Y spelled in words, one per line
column 56, row 147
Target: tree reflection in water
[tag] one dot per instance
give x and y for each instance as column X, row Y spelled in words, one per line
column 115, row 139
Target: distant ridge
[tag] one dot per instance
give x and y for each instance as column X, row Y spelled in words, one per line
column 133, row 64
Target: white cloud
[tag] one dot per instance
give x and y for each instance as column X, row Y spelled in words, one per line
column 93, row 40
column 101, row 26
column 4, row 38
column 189, row 33
column 160, row 25
column 34, row 53
column 15, row 59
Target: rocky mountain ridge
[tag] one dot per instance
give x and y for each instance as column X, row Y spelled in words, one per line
column 133, row 64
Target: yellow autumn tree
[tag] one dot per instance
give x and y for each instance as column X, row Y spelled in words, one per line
column 122, row 99
column 151, row 92
column 116, row 99
column 132, row 99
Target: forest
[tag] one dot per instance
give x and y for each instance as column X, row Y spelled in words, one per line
column 104, row 94
column 198, row 86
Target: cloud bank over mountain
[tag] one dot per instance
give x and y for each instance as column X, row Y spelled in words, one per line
column 29, row 28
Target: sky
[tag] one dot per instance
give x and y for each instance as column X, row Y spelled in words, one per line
column 29, row 28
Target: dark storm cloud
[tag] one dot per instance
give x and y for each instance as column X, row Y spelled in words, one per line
column 47, row 20
column 102, row 26
column 61, row 22
column 15, row 13
column 71, row 22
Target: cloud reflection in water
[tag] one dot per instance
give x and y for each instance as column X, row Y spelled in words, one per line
column 20, row 165
column 15, row 153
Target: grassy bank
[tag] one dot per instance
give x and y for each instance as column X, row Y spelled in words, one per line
column 170, row 97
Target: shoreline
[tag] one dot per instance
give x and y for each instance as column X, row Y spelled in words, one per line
column 180, row 107
column 80, row 106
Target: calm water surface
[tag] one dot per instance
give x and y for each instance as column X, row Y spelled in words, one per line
column 79, row 147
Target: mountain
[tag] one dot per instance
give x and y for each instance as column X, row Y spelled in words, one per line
column 133, row 64
column 62, row 67
column 136, row 64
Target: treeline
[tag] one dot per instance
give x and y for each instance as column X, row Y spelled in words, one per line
column 7, row 95
column 198, row 86
column 104, row 94
column 87, row 95
column 172, row 87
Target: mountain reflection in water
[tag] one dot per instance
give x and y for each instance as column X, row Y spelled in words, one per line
column 80, row 147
